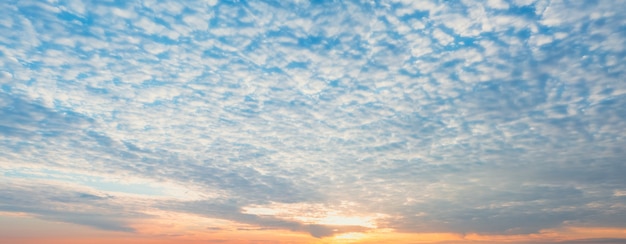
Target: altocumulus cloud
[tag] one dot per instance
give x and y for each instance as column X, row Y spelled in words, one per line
column 494, row 117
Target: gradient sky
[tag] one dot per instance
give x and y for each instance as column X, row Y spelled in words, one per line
column 162, row 121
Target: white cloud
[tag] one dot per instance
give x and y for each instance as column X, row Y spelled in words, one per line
column 541, row 40
column 77, row 7
column 442, row 37
column 498, row 4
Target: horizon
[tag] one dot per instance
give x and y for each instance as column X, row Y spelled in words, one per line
column 450, row 122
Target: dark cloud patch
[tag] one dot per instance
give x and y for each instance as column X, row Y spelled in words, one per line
column 231, row 210
column 55, row 203
column 597, row 240
column 26, row 119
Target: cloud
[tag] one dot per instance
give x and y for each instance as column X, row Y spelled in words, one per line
column 610, row 241
column 231, row 210
column 52, row 202
column 502, row 117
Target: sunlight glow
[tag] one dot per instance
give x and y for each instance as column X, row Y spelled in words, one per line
column 350, row 236
column 345, row 220
column 315, row 214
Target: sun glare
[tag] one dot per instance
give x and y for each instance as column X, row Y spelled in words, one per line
column 344, row 220
column 349, row 237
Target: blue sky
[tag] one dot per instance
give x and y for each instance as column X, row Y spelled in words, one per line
column 488, row 117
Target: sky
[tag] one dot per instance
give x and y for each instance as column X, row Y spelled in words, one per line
column 249, row 121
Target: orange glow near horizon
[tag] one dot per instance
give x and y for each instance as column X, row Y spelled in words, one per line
column 185, row 228
column 387, row 236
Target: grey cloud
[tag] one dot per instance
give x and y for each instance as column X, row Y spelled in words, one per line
column 94, row 220
column 23, row 118
column 231, row 210
column 597, row 240
column 55, row 203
